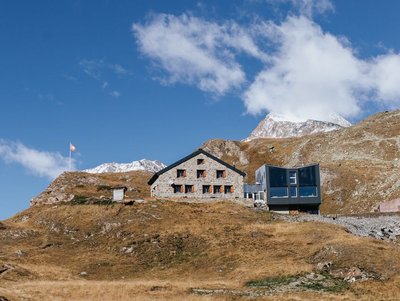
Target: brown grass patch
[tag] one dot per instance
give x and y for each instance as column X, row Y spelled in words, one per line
column 160, row 250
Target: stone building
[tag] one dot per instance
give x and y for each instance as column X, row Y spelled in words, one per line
column 199, row 175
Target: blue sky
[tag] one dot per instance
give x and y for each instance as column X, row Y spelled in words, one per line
column 126, row 80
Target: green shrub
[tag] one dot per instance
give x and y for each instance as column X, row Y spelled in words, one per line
column 103, row 202
column 324, row 282
column 272, row 281
column 82, row 200
column 79, row 200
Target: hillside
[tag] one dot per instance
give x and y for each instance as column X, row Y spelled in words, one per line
column 82, row 185
column 160, row 250
column 360, row 165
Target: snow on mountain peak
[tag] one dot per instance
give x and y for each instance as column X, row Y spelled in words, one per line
column 337, row 119
column 280, row 126
column 146, row 165
column 284, row 117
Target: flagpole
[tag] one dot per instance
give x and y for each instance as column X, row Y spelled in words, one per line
column 70, row 155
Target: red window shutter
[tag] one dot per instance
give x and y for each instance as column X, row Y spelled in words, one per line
column 181, row 188
column 184, row 172
column 224, row 174
column 204, row 174
column 211, row 189
column 192, row 188
column 232, row 189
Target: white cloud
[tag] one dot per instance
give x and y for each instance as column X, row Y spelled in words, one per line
column 70, row 77
column 92, row 68
column 115, row 94
column 101, row 71
column 315, row 74
column 105, row 84
column 306, row 73
column 195, row 51
column 385, row 77
column 311, row 7
column 41, row 163
column 307, row 8
column 118, row 69
column 98, row 68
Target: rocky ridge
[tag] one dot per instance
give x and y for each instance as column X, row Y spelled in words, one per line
column 145, row 165
column 275, row 126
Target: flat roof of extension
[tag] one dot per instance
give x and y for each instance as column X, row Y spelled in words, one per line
column 294, row 167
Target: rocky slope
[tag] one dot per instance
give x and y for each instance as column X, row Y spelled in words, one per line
column 275, row 126
column 145, row 165
column 71, row 186
column 360, row 165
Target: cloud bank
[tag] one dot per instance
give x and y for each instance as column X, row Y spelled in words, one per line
column 304, row 72
column 314, row 74
column 196, row 52
column 41, row 163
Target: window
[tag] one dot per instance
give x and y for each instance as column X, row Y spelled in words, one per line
column 277, row 177
column 178, row 188
column 201, row 173
column 189, row 188
column 308, row 192
column 292, row 178
column 228, row 189
column 278, row 192
column 217, row 189
column 181, row 173
column 221, row 174
column 200, row 161
column 308, row 176
column 293, row 192
column 206, row 189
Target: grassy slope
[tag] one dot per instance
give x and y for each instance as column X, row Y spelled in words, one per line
column 175, row 247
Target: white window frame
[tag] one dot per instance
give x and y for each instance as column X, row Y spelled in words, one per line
column 291, row 177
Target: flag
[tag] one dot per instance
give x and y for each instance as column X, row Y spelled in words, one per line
column 72, row 147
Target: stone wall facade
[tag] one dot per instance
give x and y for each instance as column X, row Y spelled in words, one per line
column 191, row 182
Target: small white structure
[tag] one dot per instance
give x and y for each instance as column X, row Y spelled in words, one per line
column 119, row 193
column 390, row 206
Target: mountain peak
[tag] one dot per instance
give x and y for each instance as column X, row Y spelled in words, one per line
column 147, row 165
column 280, row 126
